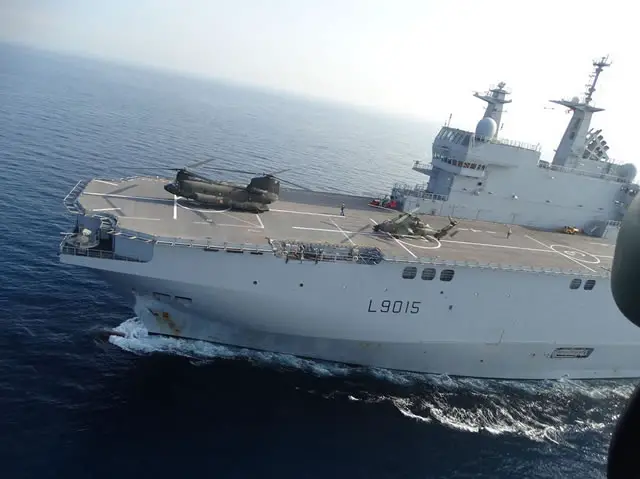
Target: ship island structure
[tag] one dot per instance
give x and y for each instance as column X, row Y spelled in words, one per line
column 508, row 296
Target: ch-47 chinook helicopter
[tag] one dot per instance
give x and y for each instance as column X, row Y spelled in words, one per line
column 408, row 225
column 261, row 191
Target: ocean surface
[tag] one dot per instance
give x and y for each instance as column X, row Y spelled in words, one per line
column 72, row 405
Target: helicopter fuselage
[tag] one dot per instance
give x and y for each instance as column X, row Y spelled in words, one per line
column 222, row 194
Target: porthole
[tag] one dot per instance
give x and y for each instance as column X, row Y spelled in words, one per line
column 575, row 283
column 409, row 272
column 589, row 284
column 446, row 275
column 428, row 274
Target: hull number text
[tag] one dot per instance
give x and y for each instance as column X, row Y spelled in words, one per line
column 396, row 307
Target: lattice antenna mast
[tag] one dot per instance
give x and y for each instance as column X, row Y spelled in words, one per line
column 598, row 65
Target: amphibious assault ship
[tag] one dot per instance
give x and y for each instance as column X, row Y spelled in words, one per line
column 486, row 295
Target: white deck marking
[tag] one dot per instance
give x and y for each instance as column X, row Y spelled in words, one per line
column 106, row 182
column 211, row 223
column 438, row 245
column 537, row 250
column 253, row 225
column 561, row 254
column 396, row 240
column 329, row 230
column 175, row 207
column 306, row 213
column 189, row 208
column 576, row 253
column 107, row 209
column 403, row 246
column 601, row 244
column 343, row 232
column 491, row 232
column 109, row 195
column 260, row 221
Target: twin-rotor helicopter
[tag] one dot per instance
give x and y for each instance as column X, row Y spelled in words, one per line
column 256, row 196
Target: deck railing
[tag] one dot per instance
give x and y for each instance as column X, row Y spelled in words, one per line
column 289, row 256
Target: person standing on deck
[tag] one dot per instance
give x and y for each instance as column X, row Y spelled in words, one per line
column 342, row 209
column 509, row 232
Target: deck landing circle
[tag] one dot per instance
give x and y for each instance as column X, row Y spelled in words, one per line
column 411, row 245
column 576, row 254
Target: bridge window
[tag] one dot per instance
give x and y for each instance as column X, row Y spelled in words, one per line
column 409, row 272
column 446, row 275
column 575, row 283
column 589, row 284
column 428, row 274
column 161, row 296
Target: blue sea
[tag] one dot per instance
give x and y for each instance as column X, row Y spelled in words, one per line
column 73, row 405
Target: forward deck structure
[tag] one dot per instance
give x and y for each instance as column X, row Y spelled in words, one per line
column 140, row 205
column 535, row 305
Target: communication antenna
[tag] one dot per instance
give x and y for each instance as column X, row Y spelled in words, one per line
column 599, row 65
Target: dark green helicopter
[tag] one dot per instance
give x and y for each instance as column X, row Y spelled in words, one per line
column 255, row 197
column 408, row 225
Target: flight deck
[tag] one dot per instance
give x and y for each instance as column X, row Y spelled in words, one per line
column 142, row 205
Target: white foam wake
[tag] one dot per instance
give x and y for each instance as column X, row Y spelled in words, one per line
column 538, row 410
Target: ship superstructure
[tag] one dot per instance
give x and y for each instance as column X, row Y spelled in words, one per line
column 478, row 175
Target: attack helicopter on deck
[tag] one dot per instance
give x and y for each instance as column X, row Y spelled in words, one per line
column 408, row 225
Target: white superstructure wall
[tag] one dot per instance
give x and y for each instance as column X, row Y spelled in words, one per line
column 527, row 195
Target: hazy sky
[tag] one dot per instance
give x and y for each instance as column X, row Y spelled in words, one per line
column 416, row 57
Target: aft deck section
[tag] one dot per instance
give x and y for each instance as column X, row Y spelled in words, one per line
column 144, row 209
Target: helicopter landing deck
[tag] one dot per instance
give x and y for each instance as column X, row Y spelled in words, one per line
column 141, row 204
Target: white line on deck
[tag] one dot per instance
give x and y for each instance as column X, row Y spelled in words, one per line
column 537, row 250
column 175, row 207
column 306, row 213
column 253, row 225
column 107, row 209
column 106, row 182
column 561, row 254
column 343, row 232
column 403, row 246
column 601, row 244
column 109, row 195
column 211, row 223
column 328, row 230
column 260, row 221
column 396, row 240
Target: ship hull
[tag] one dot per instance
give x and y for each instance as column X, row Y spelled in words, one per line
column 487, row 323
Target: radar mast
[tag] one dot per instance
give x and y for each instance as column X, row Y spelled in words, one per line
column 495, row 98
column 573, row 143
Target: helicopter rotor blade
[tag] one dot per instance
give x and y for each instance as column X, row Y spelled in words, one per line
column 292, row 183
column 230, row 170
column 274, row 173
column 198, row 164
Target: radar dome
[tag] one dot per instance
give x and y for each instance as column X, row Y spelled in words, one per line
column 487, row 127
column 628, row 171
column 575, row 99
